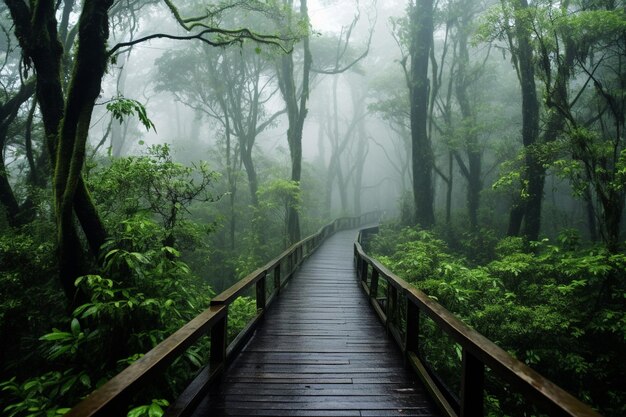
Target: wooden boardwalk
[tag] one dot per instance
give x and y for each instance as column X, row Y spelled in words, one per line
column 320, row 351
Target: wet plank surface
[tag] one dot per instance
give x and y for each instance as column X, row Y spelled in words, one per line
column 320, row 351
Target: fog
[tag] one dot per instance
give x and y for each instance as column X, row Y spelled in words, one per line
column 180, row 125
column 356, row 118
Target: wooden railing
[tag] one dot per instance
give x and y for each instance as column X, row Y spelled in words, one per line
column 112, row 398
column 400, row 307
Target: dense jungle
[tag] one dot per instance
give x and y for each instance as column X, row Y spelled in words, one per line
column 155, row 152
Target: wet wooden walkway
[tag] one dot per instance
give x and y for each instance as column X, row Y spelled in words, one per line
column 320, row 351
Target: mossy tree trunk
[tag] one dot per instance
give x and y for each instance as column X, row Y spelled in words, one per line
column 66, row 117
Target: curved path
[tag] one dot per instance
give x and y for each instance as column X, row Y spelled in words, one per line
column 320, row 351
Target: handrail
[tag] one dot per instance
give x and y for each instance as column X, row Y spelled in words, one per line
column 477, row 350
column 112, row 398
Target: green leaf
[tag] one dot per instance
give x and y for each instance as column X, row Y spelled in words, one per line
column 68, row 385
column 56, row 335
column 137, row 411
column 85, row 380
column 155, row 410
column 31, row 384
column 75, row 326
column 90, row 311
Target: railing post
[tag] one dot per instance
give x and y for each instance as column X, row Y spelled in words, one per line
column 277, row 278
column 472, row 386
column 374, row 284
column 289, row 265
column 219, row 342
column 412, row 328
column 392, row 303
column 363, row 272
column 260, row 292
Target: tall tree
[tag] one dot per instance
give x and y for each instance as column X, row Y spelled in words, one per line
column 514, row 25
column 421, row 23
column 526, row 207
column 593, row 122
column 296, row 99
column 296, row 96
column 66, row 115
column 472, row 169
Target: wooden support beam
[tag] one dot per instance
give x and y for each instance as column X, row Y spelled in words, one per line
column 472, row 386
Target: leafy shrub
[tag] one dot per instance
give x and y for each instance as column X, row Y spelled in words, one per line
column 556, row 306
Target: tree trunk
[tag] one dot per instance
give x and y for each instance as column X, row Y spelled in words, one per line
column 296, row 112
column 529, row 209
column 331, row 174
column 516, row 216
column 7, row 198
column 590, row 213
column 422, row 154
column 253, row 182
column 66, row 137
column 361, row 155
column 293, row 216
column 8, row 113
column 613, row 207
column 474, row 157
column 450, row 184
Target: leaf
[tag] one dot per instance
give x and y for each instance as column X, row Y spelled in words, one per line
column 75, row 326
column 56, row 335
column 155, row 410
column 137, row 411
column 90, row 311
column 139, row 257
column 110, row 253
column 31, row 384
column 85, row 380
column 68, row 385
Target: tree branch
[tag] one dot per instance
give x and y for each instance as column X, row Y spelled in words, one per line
column 236, row 36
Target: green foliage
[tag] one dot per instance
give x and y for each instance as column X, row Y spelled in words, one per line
column 549, row 304
column 145, row 294
column 154, row 409
column 240, row 312
column 280, row 194
column 122, row 107
column 142, row 293
column 36, row 397
column 275, row 199
column 591, row 26
column 153, row 183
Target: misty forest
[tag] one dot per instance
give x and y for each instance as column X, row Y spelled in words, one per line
column 156, row 152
